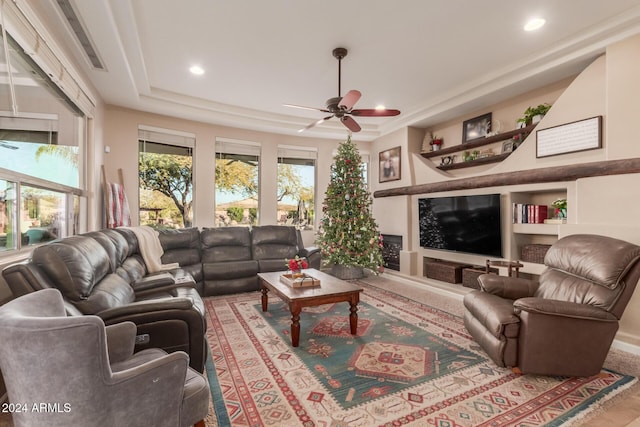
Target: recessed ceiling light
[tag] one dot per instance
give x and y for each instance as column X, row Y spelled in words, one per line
column 197, row 70
column 534, row 24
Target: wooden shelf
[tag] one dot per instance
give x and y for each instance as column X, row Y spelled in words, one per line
column 478, row 143
column 477, row 162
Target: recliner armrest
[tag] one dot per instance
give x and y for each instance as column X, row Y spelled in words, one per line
column 507, row 287
column 562, row 308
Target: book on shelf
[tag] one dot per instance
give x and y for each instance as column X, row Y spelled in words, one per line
column 526, row 213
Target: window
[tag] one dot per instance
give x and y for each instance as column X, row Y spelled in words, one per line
column 165, row 171
column 296, row 186
column 8, row 226
column 41, row 152
column 237, row 185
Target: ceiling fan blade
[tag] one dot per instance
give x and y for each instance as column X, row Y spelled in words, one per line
column 350, row 99
column 371, row 112
column 307, row 108
column 316, row 123
column 351, row 124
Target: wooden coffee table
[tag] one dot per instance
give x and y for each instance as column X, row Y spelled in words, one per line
column 331, row 290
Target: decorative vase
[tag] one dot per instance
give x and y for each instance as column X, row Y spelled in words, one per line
column 435, row 147
column 347, row 272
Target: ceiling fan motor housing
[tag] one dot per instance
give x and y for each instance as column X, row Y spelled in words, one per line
column 334, row 108
column 339, row 52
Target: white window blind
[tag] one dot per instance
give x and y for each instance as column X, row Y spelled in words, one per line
column 234, row 146
column 166, row 136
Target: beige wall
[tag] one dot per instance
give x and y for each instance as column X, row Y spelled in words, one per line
column 121, row 135
column 607, row 205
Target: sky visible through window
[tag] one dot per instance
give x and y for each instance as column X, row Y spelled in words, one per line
column 22, row 159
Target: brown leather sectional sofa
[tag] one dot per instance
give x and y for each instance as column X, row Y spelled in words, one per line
column 103, row 273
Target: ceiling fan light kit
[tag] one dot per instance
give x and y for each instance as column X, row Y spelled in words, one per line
column 342, row 106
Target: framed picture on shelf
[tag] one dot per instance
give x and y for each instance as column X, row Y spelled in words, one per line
column 478, row 127
column 507, row 146
column 389, row 165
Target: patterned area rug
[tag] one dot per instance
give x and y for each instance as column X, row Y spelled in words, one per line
column 410, row 364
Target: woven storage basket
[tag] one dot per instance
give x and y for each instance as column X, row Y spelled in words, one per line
column 346, row 272
column 470, row 276
column 446, row 271
column 534, row 253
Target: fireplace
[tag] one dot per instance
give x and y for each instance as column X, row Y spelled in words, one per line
column 391, row 247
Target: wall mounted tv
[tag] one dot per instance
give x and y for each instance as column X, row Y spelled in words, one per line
column 469, row 224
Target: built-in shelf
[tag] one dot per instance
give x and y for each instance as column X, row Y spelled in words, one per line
column 475, row 144
column 477, row 162
column 545, row 229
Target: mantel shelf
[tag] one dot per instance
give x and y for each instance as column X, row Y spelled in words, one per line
column 478, row 143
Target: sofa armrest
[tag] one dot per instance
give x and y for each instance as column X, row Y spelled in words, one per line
column 313, row 256
column 24, row 278
column 563, row 309
column 172, row 324
column 147, row 306
column 507, row 287
column 121, row 339
column 163, row 282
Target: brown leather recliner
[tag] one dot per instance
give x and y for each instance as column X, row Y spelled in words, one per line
column 563, row 323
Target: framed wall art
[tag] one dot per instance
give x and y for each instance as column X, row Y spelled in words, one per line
column 571, row 137
column 389, row 165
column 478, row 127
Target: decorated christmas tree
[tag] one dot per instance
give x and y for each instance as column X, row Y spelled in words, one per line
column 348, row 234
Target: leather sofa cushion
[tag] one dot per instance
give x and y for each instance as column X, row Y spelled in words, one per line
column 133, row 268
column 114, row 243
column 274, row 242
column 225, row 244
column 111, row 292
column 229, row 270
column 591, row 257
column 74, row 265
column 180, row 246
column 179, row 239
column 266, row 265
column 132, row 240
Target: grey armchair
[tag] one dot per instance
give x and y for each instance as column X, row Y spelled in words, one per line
column 74, row 371
column 563, row 323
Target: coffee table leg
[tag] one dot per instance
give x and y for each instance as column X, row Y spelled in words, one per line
column 295, row 324
column 265, row 299
column 353, row 317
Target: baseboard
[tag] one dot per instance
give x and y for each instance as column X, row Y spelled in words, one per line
column 454, row 291
column 626, row 347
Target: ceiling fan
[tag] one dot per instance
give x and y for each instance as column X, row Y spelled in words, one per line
column 342, row 106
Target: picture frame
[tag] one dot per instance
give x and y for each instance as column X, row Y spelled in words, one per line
column 389, row 165
column 507, row 146
column 581, row 135
column 476, row 128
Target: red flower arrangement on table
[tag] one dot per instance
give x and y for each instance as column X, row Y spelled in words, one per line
column 296, row 264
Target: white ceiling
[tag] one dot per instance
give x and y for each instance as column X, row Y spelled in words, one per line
column 433, row 60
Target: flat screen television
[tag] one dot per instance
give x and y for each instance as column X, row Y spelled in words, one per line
column 469, row 224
